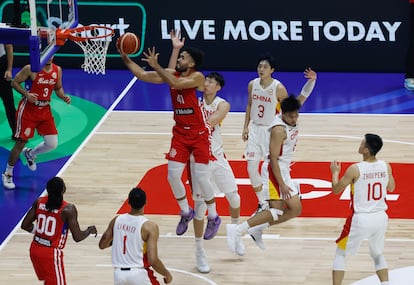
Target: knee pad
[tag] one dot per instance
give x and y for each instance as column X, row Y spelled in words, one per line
column 380, row 262
column 339, row 260
column 234, row 199
column 254, row 174
column 51, row 141
column 200, row 208
column 202, row 176
column 175, row 170
column 275, row 213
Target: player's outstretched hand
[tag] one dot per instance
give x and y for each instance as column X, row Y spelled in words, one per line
column 310, row 74
column 151, row 57
column 176, row 40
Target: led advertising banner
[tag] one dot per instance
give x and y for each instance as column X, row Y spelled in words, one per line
column 358, row 36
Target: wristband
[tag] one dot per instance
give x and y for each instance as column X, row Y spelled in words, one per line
column 307, row 88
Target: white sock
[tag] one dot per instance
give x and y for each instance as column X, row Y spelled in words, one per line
column 242, row 228
column 184, row 206
column 385, row 283
column 9, row 169
column 262, row 226
column 211, row 208
column 235, row 220
column 199, row 244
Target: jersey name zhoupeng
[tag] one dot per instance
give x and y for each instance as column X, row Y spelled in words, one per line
column 369, row 190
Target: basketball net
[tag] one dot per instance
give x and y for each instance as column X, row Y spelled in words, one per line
column 94, row 41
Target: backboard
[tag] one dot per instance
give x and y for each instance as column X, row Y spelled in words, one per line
column 42, row 18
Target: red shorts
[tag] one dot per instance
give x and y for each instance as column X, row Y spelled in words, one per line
column 48, row 264
column 187, row 141
column 30, row 118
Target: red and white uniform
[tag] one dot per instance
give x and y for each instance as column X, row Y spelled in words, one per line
column 46, row 250
column 263, row 109
column 129, row 252
column 31, row 117
column 270, row 185
column 222, row 177
column 368, row 219
column 190, row 133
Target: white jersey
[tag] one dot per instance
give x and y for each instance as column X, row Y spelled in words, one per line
column 216, row 139
column 289, row 145
column 264, row 102
column 369, row 191
column 128, row 248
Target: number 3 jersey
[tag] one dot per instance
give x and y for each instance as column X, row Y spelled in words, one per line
column 369, row 190
column 51, row 230
column 264, row 102
column 128, row 248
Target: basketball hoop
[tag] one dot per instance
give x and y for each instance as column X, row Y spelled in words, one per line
column 94, row 41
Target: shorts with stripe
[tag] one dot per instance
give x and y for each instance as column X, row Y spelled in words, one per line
column 48, row 264
column 270, row 185
column 360, row 226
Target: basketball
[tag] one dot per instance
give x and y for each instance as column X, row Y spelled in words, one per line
column 128, row 43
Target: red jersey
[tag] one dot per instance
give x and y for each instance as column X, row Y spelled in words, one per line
column 38, row 116
column 187, row 108
column 51, row 231
column 44, row 83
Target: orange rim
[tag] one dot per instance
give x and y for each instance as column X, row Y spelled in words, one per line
column 73, row 34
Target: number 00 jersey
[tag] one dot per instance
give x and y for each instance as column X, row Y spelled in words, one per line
column 369, row 191
column 51, row 231
column 128, row 248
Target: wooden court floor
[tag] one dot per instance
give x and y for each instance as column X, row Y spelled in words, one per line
column 120, row 151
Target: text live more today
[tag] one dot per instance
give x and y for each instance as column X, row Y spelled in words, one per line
column 259, row 30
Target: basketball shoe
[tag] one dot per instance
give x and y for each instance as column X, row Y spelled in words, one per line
column 213, row 225
column 201, row 258
column 31, row 163
column 256, row 234
column 7, row 180
column 183, row 223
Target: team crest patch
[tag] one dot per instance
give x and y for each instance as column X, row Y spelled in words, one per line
column 173, row 152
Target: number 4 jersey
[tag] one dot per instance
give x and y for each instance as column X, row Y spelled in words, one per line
column 369, row 190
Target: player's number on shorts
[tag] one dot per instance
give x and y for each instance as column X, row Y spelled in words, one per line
column 46, row 224
column 374, row 191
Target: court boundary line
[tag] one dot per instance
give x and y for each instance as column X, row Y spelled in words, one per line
column 247, row 236
column 77, row 151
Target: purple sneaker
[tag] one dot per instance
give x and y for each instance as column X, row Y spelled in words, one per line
column 183, row 224
column 212, row 227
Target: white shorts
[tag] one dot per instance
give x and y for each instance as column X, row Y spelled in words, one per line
column 270, row 185
column 222, row 177
column 360, row 226
column 258, row 143
column 134, row 276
